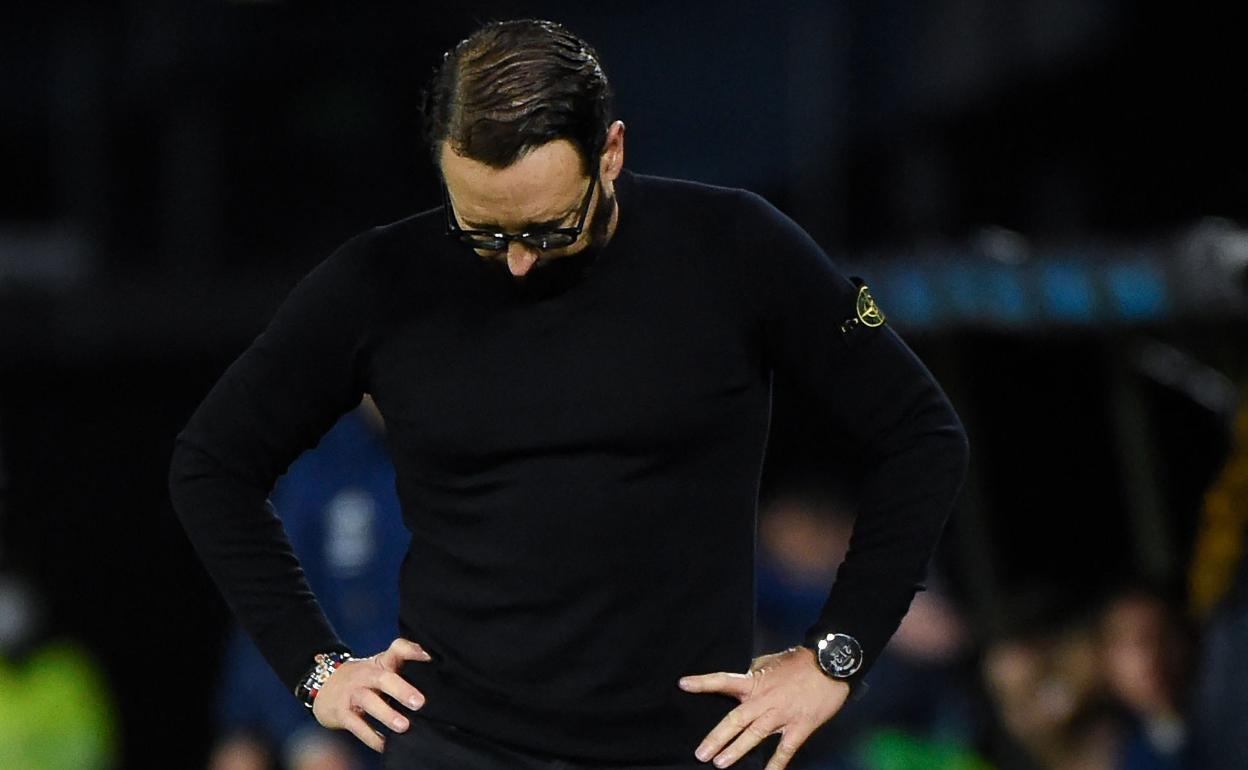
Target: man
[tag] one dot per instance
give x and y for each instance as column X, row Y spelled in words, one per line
column 576, row 385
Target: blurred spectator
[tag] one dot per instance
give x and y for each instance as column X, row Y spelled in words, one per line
column 1043, row 676
column 916, row 714
column 55, row 710
column 338, row 505
column 1220, row 697
column 1147, row 652
column 1219, row 585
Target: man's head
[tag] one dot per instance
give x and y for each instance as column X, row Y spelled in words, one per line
column 518, row 121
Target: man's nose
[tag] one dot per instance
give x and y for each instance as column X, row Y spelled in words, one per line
column 520, row 258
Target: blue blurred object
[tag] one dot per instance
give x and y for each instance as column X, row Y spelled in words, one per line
column 1138, row 291
column 1066, row 288
column 906, row 292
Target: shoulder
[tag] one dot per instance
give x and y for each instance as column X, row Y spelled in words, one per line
column 373, row 261
column 748, row 216
column 671, row 190
column 388, row 243
column 736, row 213
column 421, row 227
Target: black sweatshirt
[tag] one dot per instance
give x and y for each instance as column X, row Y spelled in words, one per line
column 577, row 458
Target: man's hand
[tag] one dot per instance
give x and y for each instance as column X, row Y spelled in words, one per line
column 784, row 692
column 353, row 690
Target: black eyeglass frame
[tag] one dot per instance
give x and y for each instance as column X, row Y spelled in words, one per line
column 488, row 240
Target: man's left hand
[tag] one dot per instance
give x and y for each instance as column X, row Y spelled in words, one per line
column 784, row 692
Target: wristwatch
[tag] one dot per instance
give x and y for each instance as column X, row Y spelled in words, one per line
column 839, row 655
column 326, row 663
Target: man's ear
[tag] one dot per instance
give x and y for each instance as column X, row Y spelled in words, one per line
column 613, row 153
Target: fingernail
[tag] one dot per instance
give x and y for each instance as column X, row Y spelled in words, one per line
column 721, row 761
column 701, row 754
column 414, row 702
column 425, row 656
column 399, row 723
column 684, row 684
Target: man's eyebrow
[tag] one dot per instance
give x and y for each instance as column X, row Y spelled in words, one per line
column 529, row 227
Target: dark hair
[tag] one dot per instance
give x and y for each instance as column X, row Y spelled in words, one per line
column 515, row 85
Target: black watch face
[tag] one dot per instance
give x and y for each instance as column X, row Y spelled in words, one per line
column 840, row 655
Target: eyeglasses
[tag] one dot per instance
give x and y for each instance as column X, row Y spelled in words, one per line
column 493, row 241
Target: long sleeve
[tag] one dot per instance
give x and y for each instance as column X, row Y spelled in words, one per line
column 276, row 400
column 887, row 412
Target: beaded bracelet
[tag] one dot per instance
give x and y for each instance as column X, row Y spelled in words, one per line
column 326, row 664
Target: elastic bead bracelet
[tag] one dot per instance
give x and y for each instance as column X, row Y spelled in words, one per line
column 326, row 664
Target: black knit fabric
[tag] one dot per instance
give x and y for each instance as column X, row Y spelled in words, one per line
column 577, row 457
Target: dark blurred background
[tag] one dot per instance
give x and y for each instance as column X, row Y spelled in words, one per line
column 1047, row 199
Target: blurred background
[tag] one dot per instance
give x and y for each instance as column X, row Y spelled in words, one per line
column 1048, row 200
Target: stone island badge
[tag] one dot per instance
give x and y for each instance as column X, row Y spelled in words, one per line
column 866, row 312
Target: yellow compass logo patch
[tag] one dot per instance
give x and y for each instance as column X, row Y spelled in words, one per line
column 868, row 312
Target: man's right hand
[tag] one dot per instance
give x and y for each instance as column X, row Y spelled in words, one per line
column 354, row 688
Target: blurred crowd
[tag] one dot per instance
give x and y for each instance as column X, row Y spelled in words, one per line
column 1130, row 676
column 1102, row 687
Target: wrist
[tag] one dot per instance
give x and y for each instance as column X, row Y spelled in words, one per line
column 323, row 666
column 840, row 658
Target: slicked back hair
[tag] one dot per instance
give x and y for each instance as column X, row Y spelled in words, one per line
column 513, row 86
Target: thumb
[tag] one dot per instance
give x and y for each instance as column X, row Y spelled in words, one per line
column 400, row 650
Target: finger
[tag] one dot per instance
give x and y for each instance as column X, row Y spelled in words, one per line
column 733, row 722
column 376, row 707
column 362, row 730
column 751, row 736
column 400, row 650
column 791, row 740
column 763, row 660
column 401, row 690
column 739, row 685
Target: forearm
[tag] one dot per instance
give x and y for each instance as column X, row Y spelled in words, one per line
column 275, row 401
column 904, row 501
column 245, row 549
